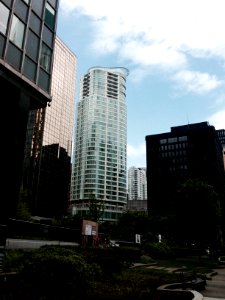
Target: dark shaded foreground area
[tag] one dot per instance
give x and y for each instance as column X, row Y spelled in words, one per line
column 57, row 273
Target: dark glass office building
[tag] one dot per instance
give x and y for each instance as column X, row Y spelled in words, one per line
column 27, row 37
column 191, row 151
column 221, row 137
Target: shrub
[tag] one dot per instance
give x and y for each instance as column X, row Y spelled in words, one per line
column 158, row 250
column 53, row 272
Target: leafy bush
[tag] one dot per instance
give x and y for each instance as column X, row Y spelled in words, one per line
column 53, row 271
column 158, row 250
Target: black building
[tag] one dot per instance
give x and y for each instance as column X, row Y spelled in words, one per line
column 221, row 137
column 27, row 35
column 187, row 152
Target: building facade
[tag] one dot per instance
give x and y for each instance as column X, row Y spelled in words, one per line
column 100, row 148
column 221, row 137
column 137, row 184
column 187, row 152
column 27, row 34
column 49, row 140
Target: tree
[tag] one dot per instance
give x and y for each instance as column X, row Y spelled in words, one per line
column 198, row 214
column 131, row 223
column 23, row 212
column 96, row 208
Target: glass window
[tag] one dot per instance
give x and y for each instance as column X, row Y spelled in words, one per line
column 53, row 3
column 21, row 10
column 2, row 45
column 35, row 23
column 17, row 32
column 46, row 55
column 32, row 45
column 4, row 15
column 14, row 56
column 29, row 69
column 47, row 36
column 37, row 6
column 49, row 16
column 44, row 80
column 7, row 2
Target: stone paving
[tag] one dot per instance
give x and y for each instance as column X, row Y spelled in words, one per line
column 215, row 287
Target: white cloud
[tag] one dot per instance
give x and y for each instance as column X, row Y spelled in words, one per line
column 136, row 155
column 179, row 24
column 218, row 119
column 197, row 82
column 164, row 34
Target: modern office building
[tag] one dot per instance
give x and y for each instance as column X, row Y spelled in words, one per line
column 100, row 149
column 49, row 157
column 137, row 206
column 27, row 35
column 137, row 184
column 191, row 151
column 221, row 137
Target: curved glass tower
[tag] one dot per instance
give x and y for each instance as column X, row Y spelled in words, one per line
column 100, row 147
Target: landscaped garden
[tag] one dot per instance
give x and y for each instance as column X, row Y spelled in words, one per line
column 58, row 273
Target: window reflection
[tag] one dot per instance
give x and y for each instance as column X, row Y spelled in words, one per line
column 17, row 32
column 49, row 16
column 4, row 15
column 45, row 60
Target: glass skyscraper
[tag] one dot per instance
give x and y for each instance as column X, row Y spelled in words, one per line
column 49, row 166
column 100, row 147
column 27, row 39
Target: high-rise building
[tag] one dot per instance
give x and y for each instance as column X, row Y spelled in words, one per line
column 221, row 137
column 27, row 35
column 49, row 140
column 137, row 184
column 52, row 194
column 100, row 149
column 191, row 151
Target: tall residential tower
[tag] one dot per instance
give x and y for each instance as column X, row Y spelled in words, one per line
column 137, row 184
column 100, row 149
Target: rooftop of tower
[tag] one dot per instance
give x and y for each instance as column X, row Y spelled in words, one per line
column 122, row 70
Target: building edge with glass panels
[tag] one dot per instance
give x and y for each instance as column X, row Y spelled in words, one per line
column 100, row 145
column 53, row 172
column 27, row 35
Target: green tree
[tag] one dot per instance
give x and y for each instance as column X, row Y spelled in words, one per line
column 23, row 212
column 131, row 223
column 96, row 208
column 198, row 214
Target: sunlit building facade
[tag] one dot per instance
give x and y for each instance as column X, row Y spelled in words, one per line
column 50, row 184
column 100, row 148
column 137, row 184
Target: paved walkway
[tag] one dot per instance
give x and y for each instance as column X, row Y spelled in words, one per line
column 215, row 288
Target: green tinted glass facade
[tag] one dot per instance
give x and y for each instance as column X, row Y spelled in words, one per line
column 100, row 150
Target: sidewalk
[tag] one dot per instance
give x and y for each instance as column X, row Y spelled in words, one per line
column 215, row 288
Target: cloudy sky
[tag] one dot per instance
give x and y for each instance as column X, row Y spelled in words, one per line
column 174, row 51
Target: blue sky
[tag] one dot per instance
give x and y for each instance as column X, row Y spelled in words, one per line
column 174, row 51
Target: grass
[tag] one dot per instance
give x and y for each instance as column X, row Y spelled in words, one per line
column 202, row 264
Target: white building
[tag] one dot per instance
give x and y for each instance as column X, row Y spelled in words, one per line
column 100, row 147
column 137, row 184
